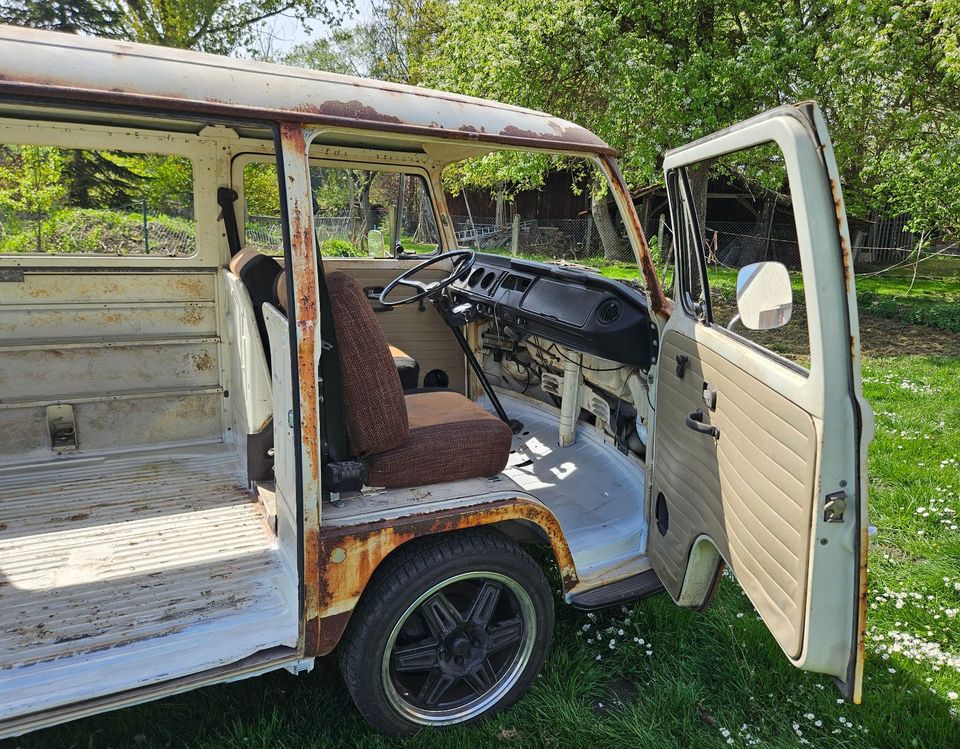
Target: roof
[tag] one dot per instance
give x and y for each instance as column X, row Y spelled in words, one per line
column 46, row 65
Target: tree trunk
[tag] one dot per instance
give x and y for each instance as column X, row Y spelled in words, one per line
column 605, row 229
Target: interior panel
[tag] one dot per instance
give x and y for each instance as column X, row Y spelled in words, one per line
column 751, row 490
column 423, row 335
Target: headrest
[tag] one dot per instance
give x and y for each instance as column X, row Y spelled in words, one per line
column 241, row 259
column 280, row 292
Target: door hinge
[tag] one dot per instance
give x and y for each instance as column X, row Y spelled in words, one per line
column 834, row 507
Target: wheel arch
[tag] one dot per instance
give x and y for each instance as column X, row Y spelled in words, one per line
column 350, row 555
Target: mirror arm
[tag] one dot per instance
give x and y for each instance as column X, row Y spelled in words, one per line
column 733, row 321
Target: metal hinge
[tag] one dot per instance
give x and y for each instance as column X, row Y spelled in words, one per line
column 834, row 507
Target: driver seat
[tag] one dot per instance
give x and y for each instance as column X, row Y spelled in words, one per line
column 405, row 440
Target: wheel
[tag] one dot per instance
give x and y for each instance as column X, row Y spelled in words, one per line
column 451, row 630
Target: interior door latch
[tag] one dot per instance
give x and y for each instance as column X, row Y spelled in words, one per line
column 682, row 360
column 834, row 507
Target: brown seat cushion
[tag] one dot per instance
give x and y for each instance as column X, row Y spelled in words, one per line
column 451, row 438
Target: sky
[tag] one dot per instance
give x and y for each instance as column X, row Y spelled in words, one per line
column 286, row 32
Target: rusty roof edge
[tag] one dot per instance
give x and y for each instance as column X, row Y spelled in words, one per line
column 156, row 77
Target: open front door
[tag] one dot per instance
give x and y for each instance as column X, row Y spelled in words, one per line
column 759, row 457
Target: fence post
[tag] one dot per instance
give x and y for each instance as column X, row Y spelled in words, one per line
column 515, row 235
column 146, row 241
column 588, row 242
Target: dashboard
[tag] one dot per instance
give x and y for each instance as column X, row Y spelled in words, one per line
column 579, row 309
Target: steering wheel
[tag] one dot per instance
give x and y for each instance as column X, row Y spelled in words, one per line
column 463, row 261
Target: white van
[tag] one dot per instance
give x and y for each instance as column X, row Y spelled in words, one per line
column 249, row 416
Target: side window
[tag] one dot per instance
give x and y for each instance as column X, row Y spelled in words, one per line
column 689, row 259
column 70, row 201
column 357, row 212
column 737, row 212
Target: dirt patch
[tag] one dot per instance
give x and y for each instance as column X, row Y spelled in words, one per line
column 879, row 336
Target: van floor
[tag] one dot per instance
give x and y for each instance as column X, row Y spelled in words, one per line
column 595, row 492
column 124, row 571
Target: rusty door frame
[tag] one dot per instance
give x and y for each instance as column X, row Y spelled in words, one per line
column 293, row 173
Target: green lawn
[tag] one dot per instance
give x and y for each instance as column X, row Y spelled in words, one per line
column 653, row 675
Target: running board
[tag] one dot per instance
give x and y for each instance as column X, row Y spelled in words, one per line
column 628, row 589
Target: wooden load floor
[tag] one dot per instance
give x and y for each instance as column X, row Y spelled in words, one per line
column 126, row 571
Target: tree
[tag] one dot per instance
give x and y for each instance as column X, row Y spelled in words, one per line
column 349, row 51
column 31, row 186
column 220, row 26
column 648, row 76
column 96, row 17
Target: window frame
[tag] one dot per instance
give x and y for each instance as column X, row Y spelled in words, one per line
column 200, row 150
column 240, row 160
column 677, row 180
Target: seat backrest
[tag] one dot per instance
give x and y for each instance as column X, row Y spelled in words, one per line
column 259, row 274
column 373, row 402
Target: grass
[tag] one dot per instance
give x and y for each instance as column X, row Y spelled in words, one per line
column 672, row 677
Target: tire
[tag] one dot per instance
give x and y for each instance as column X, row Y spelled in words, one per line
column 449, row 631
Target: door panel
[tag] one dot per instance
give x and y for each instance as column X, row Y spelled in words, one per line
column 779, row 493
column 423, row 335
column 750, row 490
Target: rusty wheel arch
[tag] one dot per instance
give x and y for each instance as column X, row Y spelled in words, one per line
column 351, row 555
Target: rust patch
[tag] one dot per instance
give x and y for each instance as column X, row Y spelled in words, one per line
column 203, row 361
column 303, row 271
column 659, row 303
column 857, row 686
column 191, row 287
column 349, row 110
column 846, row 253
column 191, row 316
column 3, row 526
column 367, row 545
column 79, row 516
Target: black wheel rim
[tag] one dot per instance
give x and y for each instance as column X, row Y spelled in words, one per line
column 459, row 648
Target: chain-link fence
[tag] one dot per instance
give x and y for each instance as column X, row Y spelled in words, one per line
column 882, row 244
column 567, row 238
column 132, row 229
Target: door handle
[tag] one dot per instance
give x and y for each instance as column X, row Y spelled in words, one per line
column 373, row 292
column 695, row 422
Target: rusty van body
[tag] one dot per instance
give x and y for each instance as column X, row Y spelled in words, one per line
column 219, row 458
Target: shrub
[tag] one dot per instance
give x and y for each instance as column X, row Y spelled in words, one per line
column 340, row 248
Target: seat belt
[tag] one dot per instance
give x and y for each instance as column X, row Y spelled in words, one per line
column 225, row 199
column 339, row 473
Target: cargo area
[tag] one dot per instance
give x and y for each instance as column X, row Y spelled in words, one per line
column 147, row 567
column 134, row 549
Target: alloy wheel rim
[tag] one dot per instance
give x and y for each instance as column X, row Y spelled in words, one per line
column 459, row 648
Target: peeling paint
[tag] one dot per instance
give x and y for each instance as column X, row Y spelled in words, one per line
column 659, row 303
column 364, row 547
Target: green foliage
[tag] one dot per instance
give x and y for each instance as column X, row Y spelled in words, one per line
column 31, row 179
column 649, row 76
column 261, row 189
column 101, row 232
column 340, row 248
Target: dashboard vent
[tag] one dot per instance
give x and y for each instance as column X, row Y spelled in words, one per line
column 608, row 312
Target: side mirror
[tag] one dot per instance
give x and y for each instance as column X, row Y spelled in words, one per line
column 764, row 296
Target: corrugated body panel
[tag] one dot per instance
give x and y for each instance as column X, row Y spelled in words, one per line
column 112, row 288
column 131, row 319
column 62, row 369
column 123, row 572
column 137, row 420
column 136, row 354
